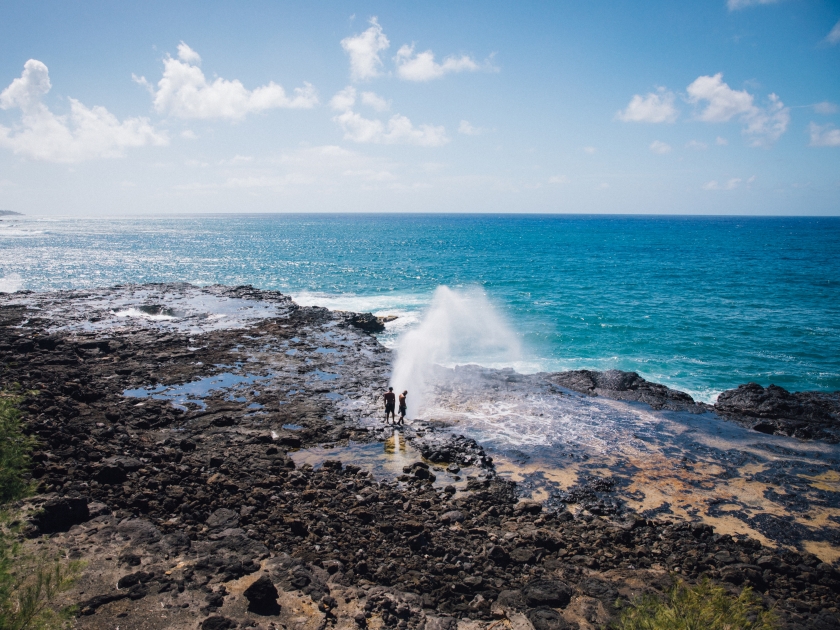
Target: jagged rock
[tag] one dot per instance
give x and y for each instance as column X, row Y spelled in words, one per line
column 552, row 593
column 218, row 623
column 262, row 597
column 621, row 385
column 60, row 514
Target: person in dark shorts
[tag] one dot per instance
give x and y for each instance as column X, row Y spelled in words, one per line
column 403, row 407
column 390, row 400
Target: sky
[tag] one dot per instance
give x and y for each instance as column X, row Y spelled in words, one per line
column 708, row 107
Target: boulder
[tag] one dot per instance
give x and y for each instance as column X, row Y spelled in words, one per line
column 262, row 597
column 60, row 514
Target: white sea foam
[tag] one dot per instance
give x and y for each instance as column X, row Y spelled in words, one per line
column 458, row 327
column 133, row 312
column 11, row 283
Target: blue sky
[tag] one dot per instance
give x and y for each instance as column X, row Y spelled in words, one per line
column 727, row 106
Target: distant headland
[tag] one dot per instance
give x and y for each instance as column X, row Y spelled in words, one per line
column 9, row 213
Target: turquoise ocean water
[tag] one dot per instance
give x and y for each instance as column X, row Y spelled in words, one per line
column 698, row 303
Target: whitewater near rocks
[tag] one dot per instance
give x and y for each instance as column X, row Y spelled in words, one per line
column 218, row 456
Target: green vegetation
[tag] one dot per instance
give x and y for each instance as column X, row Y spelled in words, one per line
column 14, row 451
column 700, row 607
column 29, row 581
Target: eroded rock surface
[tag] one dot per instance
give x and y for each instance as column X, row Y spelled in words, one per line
column 174, row 432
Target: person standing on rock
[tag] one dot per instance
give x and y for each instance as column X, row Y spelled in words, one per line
column 403, row 407
column 390, row 400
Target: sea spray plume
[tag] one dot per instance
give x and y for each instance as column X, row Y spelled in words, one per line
column 459, row 327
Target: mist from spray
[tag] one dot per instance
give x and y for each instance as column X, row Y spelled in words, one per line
column 459, row 327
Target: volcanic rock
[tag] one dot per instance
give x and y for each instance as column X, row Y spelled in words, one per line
column 262, row 597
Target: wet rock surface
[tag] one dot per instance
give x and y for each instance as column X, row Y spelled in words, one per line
column 774, row 410
column 625, row 386
column 175, row 436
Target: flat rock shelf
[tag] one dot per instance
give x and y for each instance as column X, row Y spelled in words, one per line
column 217, row 458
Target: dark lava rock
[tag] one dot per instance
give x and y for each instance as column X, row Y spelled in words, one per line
column 262, row 597
column 367, row 322
column 60, row 514
column 547, row 619
column 801, row 414
column 547, row 593
column 452, row 449
column 522, row 555
column 217, row 623
column 223, row 518
column 111, row 474
column 620, row 385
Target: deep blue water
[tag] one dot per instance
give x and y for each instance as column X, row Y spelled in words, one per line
column 698, row 303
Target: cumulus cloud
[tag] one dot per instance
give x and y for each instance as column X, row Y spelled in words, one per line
column 655, row 107
column 657, row 146
column 558, row 179
column 824, row 136
column 398, row 129
column 344, row 100
column 825, row 108
column 423, row 67
column 697, row 145
column 590, row 150
column 375, row 101
column 721, row 142
column 735, row 5
column 764, row 125
column 833, row 36
column 184, row 92
column 85, row 133
column 364, row 49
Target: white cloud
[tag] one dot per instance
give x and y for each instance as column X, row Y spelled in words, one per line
column 344, row 100
column 468, row 130
column 735, row 5
column 375, row 101
column 722, row 104
column 733, row 183
column 398, row 130
column 423, row 67
column 84, row 134
column 590, row 150
column 660, row 147
column 697, row 145
column 833, row 36
column 652, row 108
column 712, row 185
column 824, row 136
column 825, row 108
column 188, row 55
column 189, row 134
column 721, row 142
column 364, row 50
column 558, row 179
column 184, row 92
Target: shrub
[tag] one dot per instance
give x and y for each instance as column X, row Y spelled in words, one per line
column 29, row 582
column 14, row 451
column 703, row 606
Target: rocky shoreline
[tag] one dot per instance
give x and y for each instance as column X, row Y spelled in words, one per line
column 166, row 465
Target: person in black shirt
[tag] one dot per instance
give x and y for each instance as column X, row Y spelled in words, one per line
column 390, row 400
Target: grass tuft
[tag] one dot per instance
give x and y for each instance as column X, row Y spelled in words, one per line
column 29, row 581
column 703, row 606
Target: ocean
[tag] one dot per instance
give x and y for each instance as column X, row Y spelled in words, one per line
column 700, row 304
